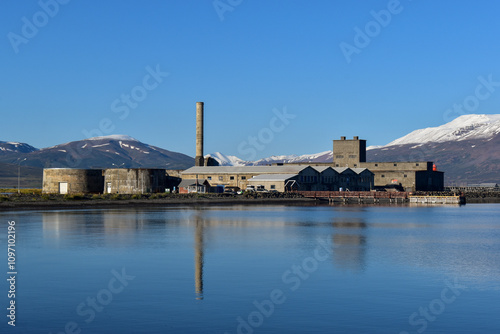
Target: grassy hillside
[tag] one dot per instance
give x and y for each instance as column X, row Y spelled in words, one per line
column 30, row 177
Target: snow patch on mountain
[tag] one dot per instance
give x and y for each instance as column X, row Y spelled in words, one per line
column 10, row 146
column 231, row 160
column 465, row 127
column 113, row 137
column 227, row 160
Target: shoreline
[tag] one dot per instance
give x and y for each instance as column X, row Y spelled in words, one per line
column 166, row 202
column 81, row 204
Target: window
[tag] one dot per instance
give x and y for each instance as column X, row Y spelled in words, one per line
column 376, row 165
column 209, row 177
column 337, row 165
column 231, row 177
column 339, row 156
column 382, row 175
column 352, row 156
column 405, row 175
column 395, row 164
column 355, row 165
column 417, row 164
column 221, row 178
column 243, row 177
column 273, row 186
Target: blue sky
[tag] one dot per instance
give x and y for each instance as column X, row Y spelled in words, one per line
column 249, row 61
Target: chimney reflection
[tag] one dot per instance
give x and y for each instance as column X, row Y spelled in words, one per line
column 198, row 257
column 349, row 240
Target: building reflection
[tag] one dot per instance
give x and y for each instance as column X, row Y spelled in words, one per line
column 349, row 242
column 198, row 255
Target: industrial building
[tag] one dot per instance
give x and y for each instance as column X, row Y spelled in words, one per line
column 285, row 178
column 108, row 181
column 411, row 176
column 349, row 170
column 279, row 178
column 72, row 181
column 194, row 186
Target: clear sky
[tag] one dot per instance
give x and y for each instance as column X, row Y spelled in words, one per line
column 375, row 69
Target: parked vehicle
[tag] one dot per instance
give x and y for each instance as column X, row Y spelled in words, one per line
column 261, row 189
column 231, row 190
column 250, row 188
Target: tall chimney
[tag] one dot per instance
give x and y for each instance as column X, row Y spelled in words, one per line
column 199, row 160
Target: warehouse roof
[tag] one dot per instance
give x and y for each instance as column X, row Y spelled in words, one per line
column 272, row 177
column 192, row 182
column 321, row 169
column 360, row 170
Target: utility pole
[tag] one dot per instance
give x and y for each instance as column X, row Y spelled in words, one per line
column 19, row 175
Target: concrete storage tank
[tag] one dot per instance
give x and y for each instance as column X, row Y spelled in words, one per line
column 72, row 181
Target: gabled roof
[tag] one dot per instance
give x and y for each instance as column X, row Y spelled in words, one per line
column 361, row 170
column 245, row 169
column 192, row 182
column 321, row 169
column 341, row 170
column 272, row 177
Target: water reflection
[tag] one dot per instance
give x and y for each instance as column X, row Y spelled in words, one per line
column 349, row 243
column 425, row 238
column 198, row 255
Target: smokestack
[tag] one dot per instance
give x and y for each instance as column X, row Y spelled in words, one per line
column 199, row 160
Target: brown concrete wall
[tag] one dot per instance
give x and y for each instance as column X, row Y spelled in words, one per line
column 78, row 180
column 226, row 179
column 405, row 178
column 279, row 185
column 349, row 152
column 134, row 181
column 397, row 166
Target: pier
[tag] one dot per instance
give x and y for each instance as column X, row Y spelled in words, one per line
column 357, row 196
column 379, row 197
column 437, row 199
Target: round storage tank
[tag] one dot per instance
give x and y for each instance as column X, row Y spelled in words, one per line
column 71, row 181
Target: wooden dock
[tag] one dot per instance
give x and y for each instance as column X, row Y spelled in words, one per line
column 379, row 197
column 357, row 196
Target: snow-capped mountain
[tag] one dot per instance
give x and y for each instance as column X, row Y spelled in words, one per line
column 6, row 147
column 465, row 148
column 325, row 156
column 227, row 160
column 231, row 160
column 102, row 152
column 465, row 127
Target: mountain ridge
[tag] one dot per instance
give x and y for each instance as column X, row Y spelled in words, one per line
column 465, row 148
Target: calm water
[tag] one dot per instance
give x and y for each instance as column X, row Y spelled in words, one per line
column 267, row 269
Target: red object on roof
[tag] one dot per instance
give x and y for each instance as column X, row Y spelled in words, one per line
column 434, row 168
